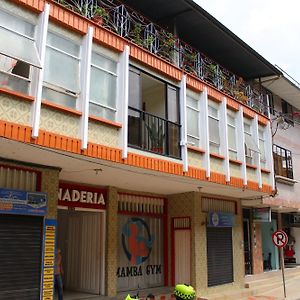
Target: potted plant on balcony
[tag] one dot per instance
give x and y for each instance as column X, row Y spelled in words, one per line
column 157, row 136
column 100, row 15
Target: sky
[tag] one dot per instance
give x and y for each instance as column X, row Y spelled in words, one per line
column 270, row 27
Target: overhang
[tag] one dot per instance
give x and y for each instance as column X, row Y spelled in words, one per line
column 202, row 31
column 284, row 88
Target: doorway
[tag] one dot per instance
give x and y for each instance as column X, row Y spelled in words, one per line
column 81, row 240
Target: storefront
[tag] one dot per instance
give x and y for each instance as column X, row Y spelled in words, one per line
column 27, row 242
column 81, row 237
column 142, row 238
column 219, row 248
column 268, row 223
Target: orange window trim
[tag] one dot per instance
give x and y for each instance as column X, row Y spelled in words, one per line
column 217, row 156
column 16, row 94
column 235, row 162
column 195, row 149
column 105, row 121
column 61, row 108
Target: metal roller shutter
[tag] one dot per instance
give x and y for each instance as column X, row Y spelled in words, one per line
column 219, row 256
column 20, row 257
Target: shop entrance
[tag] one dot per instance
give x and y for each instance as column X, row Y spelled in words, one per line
column 81, row 240
column 270, row 251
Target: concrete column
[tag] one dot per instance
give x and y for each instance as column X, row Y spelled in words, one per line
column 257, row 258
column 111, row 242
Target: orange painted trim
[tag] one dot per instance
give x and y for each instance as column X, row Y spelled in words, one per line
column 252, row 185
column 251, row 166
column 267, row 189
column 265, row 171
column 153, row 61
column 16, row 94
column 214, row 94
column 196, row 149
column 235, row 162
column 105, row 121
column 248, row 112
column 236, row 182
column 34, row 5
column 61, row 108
column 263, row 120
column 194, row 83
column 217, row 178
column 217, row 156
column 232, row 104
column 55, row 141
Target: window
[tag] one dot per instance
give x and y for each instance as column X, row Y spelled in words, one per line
column 18, row 52
column 271, row 102
column 262, row 148
column 103, row 87
column 283, row 165
column 213, row 125
column 251, row 146
column 231, row 135
column 192, row 110
column 287, row 110
column 61, row 75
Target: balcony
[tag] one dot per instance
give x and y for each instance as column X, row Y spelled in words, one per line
column 127, row 23
column 154, row 134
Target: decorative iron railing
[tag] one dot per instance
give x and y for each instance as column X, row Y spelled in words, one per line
column 126, row 22
column 152, row 133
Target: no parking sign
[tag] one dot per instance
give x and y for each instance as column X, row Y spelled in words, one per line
column 280, row 238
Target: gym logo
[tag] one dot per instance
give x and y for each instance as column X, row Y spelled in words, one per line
column 136, row 240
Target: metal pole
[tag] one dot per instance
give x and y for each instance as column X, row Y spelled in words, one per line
column 282, row 269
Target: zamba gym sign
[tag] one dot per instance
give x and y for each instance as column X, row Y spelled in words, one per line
column 74, row 195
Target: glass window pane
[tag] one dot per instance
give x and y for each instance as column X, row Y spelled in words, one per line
column 103, row 87
column 134, row 90
column 193, row 141
column 173, row 109
column 101, row 112
column 104, row 63
column 62, row 70
column 261, row 134
column 247, row 128
column 11, row 82
column 213, row 148
column 214, row 135
column 262, row 149
column 63, row 44
column 192, row 102
column 19, row 47
column 59, row 98
column 231, row 138
column 16, row 24
column 232, row 154
column 230, row 120
column 192, row 122
column 213, row 112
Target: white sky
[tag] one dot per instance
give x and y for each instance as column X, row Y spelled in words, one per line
column 270, row 27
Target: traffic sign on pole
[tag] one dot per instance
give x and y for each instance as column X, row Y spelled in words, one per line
column 280, row 238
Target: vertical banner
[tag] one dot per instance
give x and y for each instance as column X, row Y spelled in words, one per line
column 48, row 265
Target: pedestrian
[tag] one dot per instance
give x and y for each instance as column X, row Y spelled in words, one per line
column 58, row 274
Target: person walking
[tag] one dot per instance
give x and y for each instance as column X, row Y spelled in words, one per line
column 58, row 274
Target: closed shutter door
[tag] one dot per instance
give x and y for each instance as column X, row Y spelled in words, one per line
column 20, row 257
column 219, row 256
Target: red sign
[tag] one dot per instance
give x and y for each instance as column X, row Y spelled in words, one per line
column 280, row 238
column 75, row 195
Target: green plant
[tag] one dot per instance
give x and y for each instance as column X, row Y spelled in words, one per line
column 102, row 13
column 137, row 34
column 156, row 135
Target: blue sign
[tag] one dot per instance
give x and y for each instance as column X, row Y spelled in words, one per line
column 220, row 219
column 23, row 203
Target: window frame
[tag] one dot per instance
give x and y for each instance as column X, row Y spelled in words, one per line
column 215, row 106
column 60, row 88
column 197, row 110
column 277, row 151
column 230, row 150
column 263, row 160
column 115, row 75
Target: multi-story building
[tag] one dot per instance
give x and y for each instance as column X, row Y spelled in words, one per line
column 128, row 148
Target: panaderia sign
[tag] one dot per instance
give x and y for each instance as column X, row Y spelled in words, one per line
column 75, row 195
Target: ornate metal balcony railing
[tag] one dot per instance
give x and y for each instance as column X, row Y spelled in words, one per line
column 126, row 22
column 152, row 133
